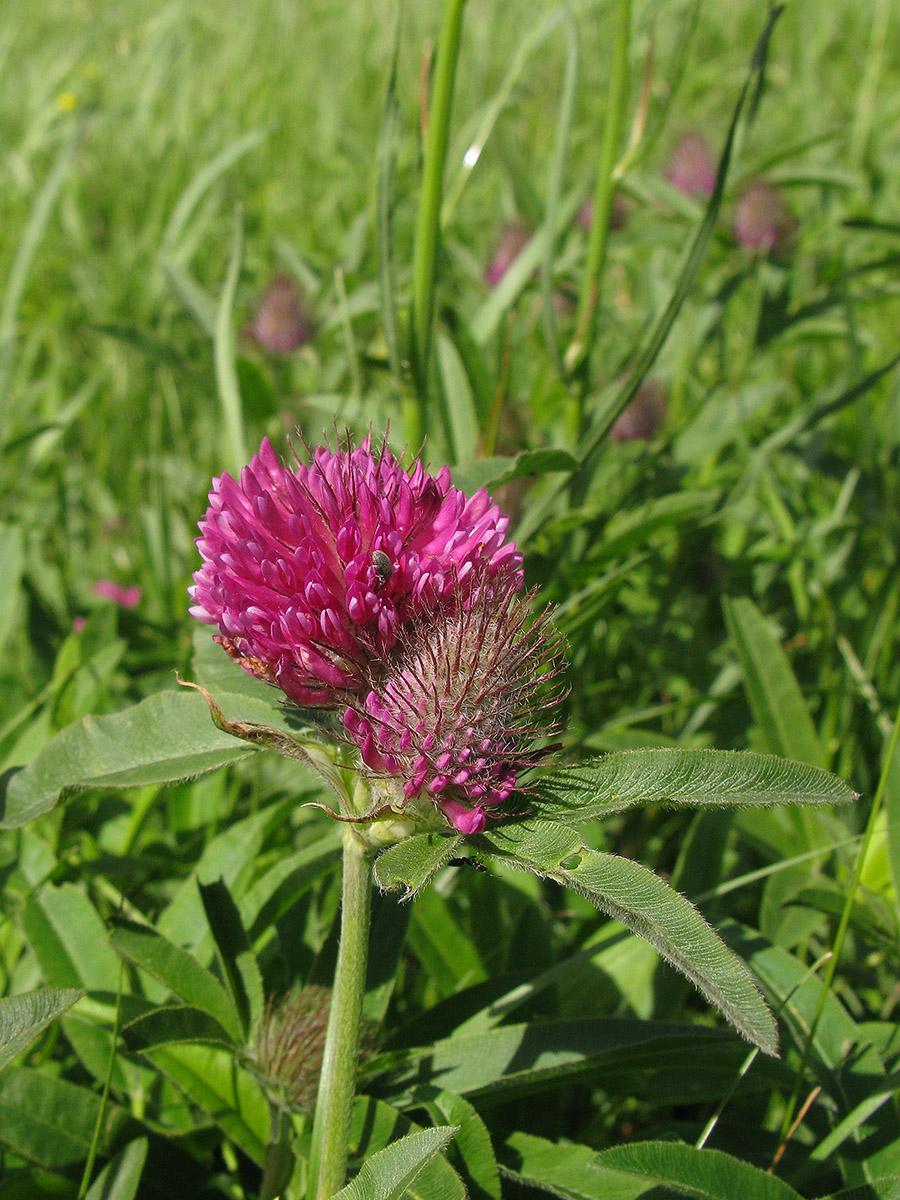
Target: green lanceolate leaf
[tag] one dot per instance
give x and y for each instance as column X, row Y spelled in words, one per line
column 172, row 1023
column 388, row 1174
column 238, row 961
column 773, row 692
column 69, row 939
column 166, row 737
column 494, row 472
column 23, row 1017
column 231, row 856
column 650, row 908
column 52, row 1122
column 376, row 1125
column 472, row 1143
column 569, row 1171
column 120, row 1178
column 518, row 1060
column 178, row 970
column 414, row 861
column 887, row 1188
column 673, row 776
column 699, row 1174
column 12, row 561
column 209, row 1077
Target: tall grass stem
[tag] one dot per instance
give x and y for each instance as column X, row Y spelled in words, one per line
column 604, row 191
column 428, row 224
column 234, row 448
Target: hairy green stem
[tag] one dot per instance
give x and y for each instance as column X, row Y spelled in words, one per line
column 425, row 250
column 337, row 1083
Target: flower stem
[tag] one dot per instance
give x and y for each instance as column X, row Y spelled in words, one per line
column 337, row 1084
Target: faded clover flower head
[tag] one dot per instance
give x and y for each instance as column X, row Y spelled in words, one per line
column 281, row 322
column 761, row 221
column 618, row 216
column 691, row 168
column 311, row 572
column 456, row 718
column 643, row 416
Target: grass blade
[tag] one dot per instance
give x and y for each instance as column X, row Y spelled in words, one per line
column 427, row 240
column 25, row 251
column 234, row 448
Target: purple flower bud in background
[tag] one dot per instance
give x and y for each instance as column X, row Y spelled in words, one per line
column 643, row 416
column 512, row 241
column 617, row 217
column 311, row 572
column 761, row 221
column 125, row 597
column 691, row 168
column 455, row 718
column 281, row 322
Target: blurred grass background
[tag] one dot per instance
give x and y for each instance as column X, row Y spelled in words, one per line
column 133, row 134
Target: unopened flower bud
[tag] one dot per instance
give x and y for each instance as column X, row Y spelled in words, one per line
column 460, row 711
column 289, row 1045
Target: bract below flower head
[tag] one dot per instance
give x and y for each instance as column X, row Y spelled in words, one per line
column 458, row 714
column 311, row 572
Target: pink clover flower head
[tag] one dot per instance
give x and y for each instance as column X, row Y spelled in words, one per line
column 125, row 597
column 312, row 571
column 456, row 717
column 281, row 322
column 691, row 168
column 761, row 221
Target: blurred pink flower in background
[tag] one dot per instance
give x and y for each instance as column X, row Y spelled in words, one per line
column 691, row 168
column 643, row 416
column 761, row 221
column 125, row 597
column 617, row 217
column 513, row 240
column 281, row 322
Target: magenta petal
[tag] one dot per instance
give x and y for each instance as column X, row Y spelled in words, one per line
column 288, row 576
column 464, row 819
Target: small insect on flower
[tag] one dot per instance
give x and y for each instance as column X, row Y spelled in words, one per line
column 468, row 862
column 384, row 568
